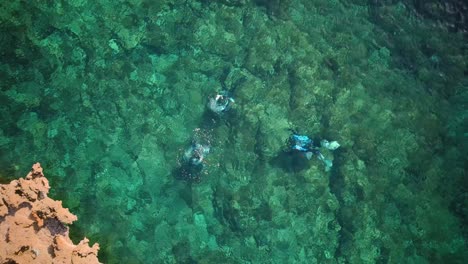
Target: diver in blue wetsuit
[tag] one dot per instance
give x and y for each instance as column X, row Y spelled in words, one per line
column 304, row 144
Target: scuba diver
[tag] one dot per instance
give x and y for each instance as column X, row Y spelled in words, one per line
column 195, row 154
column 231, row 79
column 221, row 102
column 304, row 144
column 193, row 162
column 221, row 105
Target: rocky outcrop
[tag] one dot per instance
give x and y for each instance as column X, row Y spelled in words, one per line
column 33, row 227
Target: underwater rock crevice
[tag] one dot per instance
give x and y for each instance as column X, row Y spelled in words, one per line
column 337, row 187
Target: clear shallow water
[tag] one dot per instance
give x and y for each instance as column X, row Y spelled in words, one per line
column 108, row 96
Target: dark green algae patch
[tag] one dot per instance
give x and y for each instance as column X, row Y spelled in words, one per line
column 107, row 95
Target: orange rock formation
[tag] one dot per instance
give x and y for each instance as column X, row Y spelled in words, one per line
column 33, row 226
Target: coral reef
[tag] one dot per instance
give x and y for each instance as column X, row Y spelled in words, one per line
column 33, row 227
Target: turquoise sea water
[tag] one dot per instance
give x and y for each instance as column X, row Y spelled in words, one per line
column 108, row 95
